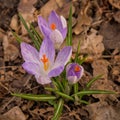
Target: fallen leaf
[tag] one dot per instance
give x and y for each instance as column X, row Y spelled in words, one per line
column 103, row 111
column 90, row 44
column 26, row 9
column 11, row 52
column 15, row 114
column 117, row 16
column 100, row 67
column 14, row 23
column 64, row 11
column 47, row 8
column 115, row 3
column 83, row 19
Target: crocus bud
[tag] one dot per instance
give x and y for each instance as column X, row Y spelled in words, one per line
column 74, row 72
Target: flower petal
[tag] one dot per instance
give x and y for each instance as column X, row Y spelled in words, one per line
column 29, row 53
column 43, row 80
column 56, row 38
column 64, row 25
column 64, row 22
column 43, row 25
column 72, row 79
column 47, row 48
column 31, row 68
column 64, row 33
column 54, row 18
column 45, row 31
column 56, row 71
column 63, row 56
column 42, row 21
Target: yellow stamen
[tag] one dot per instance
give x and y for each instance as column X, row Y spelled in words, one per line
column 45, row 61
column 77, row 68
column 53, row 26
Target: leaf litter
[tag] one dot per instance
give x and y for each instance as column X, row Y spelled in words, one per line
column 96, row 26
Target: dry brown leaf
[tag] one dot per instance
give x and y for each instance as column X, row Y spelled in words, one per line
column 103, row 111
column 26, row 9
column 11, row 52
column 117, row 16
column 14, row 23
column 15, row 114
column 64, row 11
column 60, row 2
column 90, row 44
column 47, row 8
column 110, row 33
column 100, row 67
column 82, row 20
column 115, row 3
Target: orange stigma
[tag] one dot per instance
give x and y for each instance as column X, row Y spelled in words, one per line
column 45, row 61
column 77, row 68
column 53, row 26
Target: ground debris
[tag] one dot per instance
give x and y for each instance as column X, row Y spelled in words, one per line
column 15, row 114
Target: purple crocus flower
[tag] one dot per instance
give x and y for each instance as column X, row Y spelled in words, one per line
column 43, row 64
column 74, row 72
column 55, row 28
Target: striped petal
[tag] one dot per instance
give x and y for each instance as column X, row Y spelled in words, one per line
column 29, row 53
column 47, row 48
column 63, row 56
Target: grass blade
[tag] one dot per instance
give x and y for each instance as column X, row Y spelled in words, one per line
column 69, row 37
column 58, row 109
column 89, row 92
column 75, row 91
column 92, row 81
column 29, row 32
column 35, row 97
column 58, row 84
column 64, row 95
column 60, row 93
column 17, row 37
column 38, row 37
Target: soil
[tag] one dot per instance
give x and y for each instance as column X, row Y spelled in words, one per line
column 96, row 23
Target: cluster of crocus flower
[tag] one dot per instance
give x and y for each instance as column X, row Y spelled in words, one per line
column 44, row 64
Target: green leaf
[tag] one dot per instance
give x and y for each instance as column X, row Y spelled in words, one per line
column 36, row 34
column 29, row 31
column 75, row 91
column 85, row 102
column 60, row 93
column 89, row 92
column 52, row 102
column 75, row 87
column 64, row 95
column 57, row 83
column 50, row 89
column 92, row 81
column 58, row 110
column 35, row 97
column 17, row 37
column 69, row 37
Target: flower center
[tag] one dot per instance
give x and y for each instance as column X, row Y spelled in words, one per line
column 76, row 68
column 53, row 26
column 45, row 61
